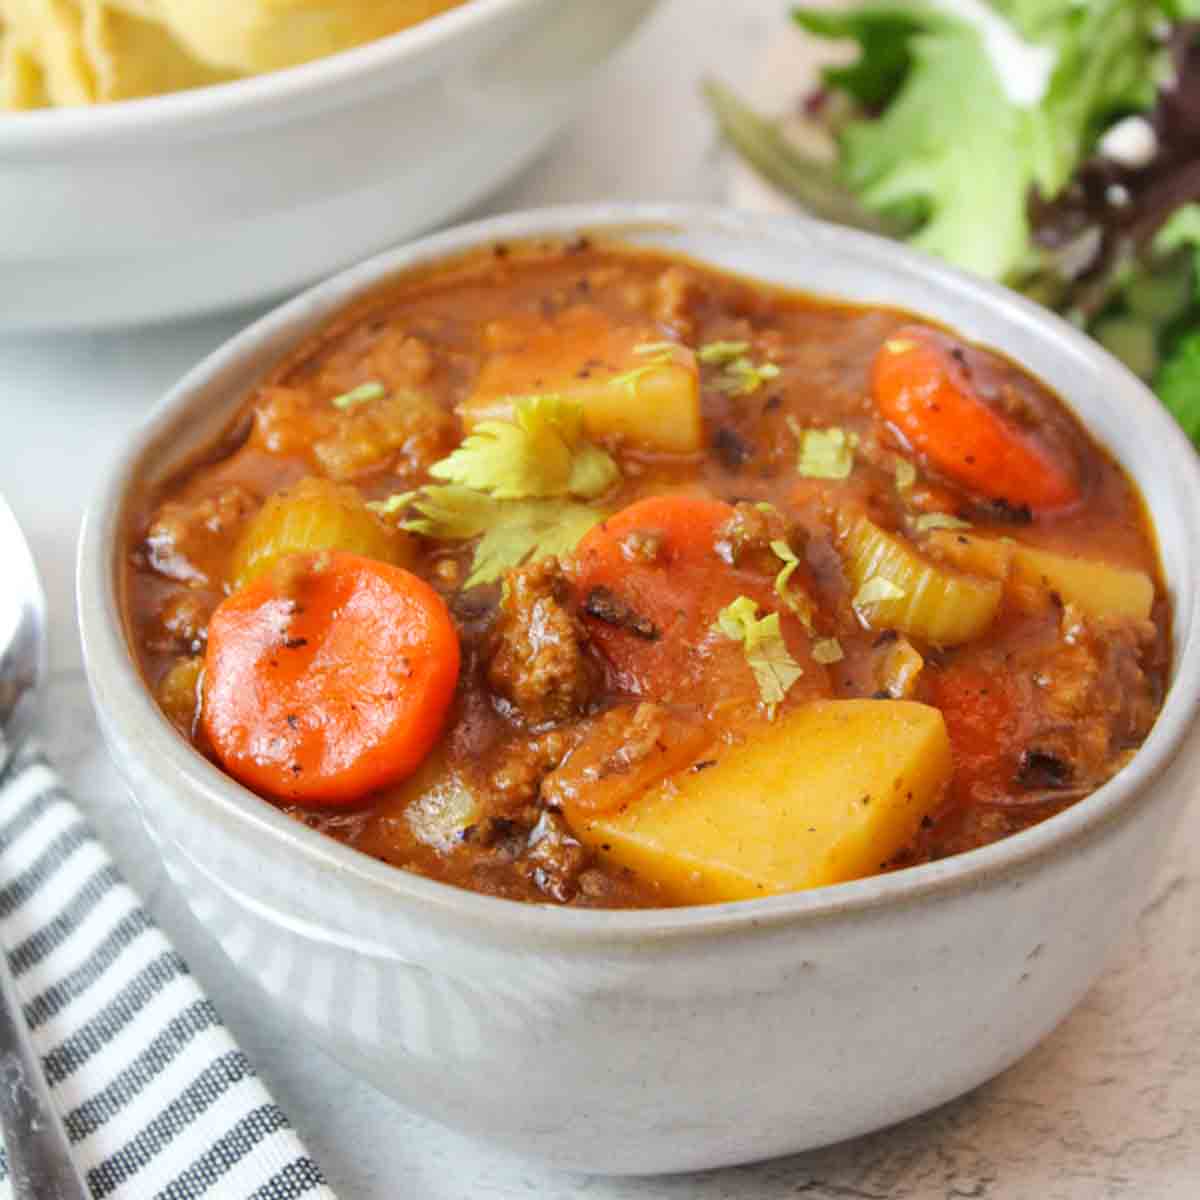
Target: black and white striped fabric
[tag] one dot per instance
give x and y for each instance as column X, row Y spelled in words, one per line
column 157, row 1099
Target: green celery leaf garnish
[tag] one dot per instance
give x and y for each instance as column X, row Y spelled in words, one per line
column 797, row 601
column 740, row 376
column 359, row 395
column 593, row 472
column 721, row 353
column 511, row 484
column 828, row 650
column 539, row 454
column 906, row 475
column 449, row 512
column 825, row 453
column 510, row 532
column 766, row 652
column 937, row 520
column 529, row 529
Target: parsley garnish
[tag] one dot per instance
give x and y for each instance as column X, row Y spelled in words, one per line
column 739, row 376
column 661, row 354
column 798, row 602
column 906, row 475
column 742, row 377
column 766, row 652
column 359, row 395
column 827, row 650
column 510, row 485
column 938, row 520
column 540, row 453
column 393, row 504
column 824, row 453
column 721, row 353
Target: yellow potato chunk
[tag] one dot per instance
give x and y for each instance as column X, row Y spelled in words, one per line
column 630, row 384
column 830, row 792
column 1100, row 590
column 895, row 587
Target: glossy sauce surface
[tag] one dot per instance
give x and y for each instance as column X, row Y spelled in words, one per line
column 1041, row 706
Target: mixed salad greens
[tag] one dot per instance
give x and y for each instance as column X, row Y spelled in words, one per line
column 1053, row 145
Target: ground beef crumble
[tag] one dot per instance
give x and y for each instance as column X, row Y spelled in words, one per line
column 539, row 663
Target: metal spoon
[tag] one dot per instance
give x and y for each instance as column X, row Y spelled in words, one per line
column 40, row 1163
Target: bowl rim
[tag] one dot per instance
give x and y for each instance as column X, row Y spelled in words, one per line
column 59, row 128
column 129, row 712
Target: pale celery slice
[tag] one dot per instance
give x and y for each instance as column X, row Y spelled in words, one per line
column 897, row 588
column 314, row 514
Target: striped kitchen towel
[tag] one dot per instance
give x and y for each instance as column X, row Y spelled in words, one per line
column 157, row 1099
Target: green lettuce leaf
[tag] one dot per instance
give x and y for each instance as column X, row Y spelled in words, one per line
column 1178, row 384
column 954, row 144
column 1182, row 232
column 1182, row 10
column 883, row 32
column 1107, row 67
column 951, row 152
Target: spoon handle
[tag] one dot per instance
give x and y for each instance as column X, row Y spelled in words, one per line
column 40, row 1163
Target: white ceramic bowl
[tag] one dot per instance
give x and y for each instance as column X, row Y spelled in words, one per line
column 688, row 1038
column 174, row 205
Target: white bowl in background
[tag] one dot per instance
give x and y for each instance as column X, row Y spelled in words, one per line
column 175, row 205
column 667, row 1040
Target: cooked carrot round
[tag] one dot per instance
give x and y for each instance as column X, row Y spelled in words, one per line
column 328, row 677
column 645, row 578
column 650, row 585
column 924, row 390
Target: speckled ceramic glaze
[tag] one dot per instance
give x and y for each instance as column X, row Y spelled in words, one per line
column 668, row 1040
column 207, row 199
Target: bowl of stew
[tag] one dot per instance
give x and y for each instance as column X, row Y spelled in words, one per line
column 653, row 687
column 240, row 189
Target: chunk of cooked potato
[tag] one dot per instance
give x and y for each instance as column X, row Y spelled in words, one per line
column 1099, row 589
column 1102, row 591
column 828, row 793
column 630, row 385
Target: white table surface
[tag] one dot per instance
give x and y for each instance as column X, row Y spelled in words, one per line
column 1108, row 1106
